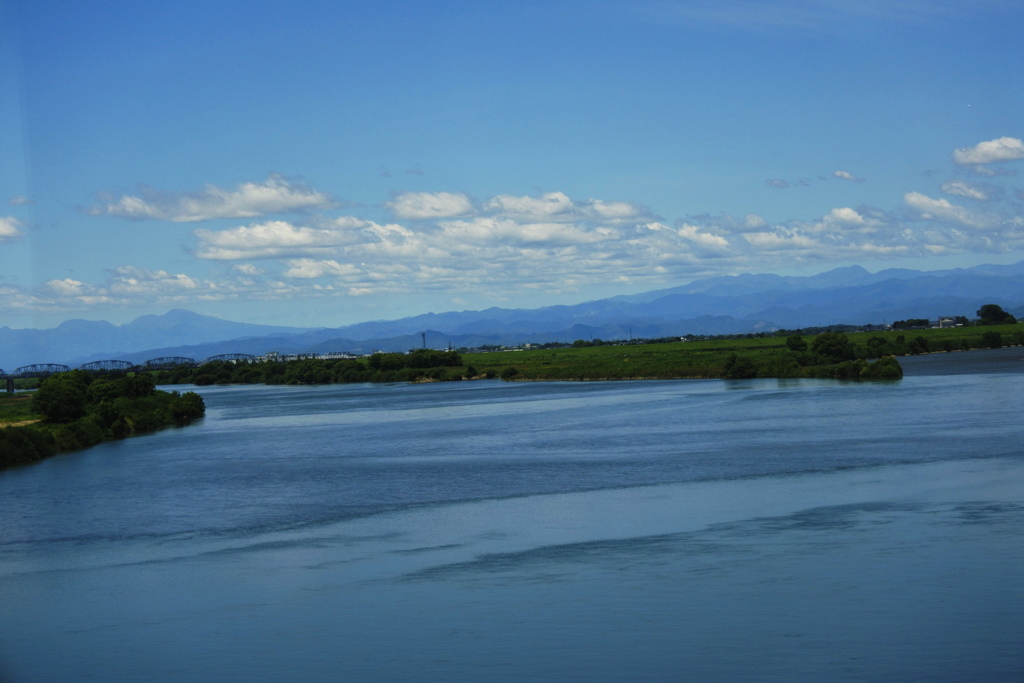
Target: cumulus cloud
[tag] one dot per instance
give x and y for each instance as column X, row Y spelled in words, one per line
column 311, row 268
column 9, row 229
column 133, row 280
column 962, row 189
column 430, row 205
column 558, row 207
column 490, row 229
column 68, row 287
column 703, row 239
column 780, row 239
column 446, row 241
column 549, row 205
column 275, row 195
column 124, row 285
column 546, row 240
column 990, row 152
column 846, row 175
column 754, row 222
column 944, row 210
column 274, row 239
column 248, row 269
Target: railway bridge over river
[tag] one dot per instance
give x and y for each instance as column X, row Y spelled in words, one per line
column 105, row 367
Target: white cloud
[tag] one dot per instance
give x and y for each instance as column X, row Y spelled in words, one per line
column 430, row 205
column 777, row 183
column 487, row 229
column 615, row 211
column 780, row 239
column 68, row 287
column 944, row 210
column 311, row 268
column 248, row 200
column 754, row 222
column 962, row 189
column 844, row 216
column 694, row 234
column 846, row 175
column 551, row 204
column 444, row 241
column 9, row 228
column 557, row 206
column 19, row 200
column 133, row 280
column 990, row 152
column 273, row 239
column 248, row 269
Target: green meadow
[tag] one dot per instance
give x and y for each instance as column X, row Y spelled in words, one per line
column 760, row 356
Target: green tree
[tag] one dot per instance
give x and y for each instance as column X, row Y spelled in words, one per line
column 739, row 367
column 992, row 314
column 187, row 407
column 919, row 345
column 62, row 397
column 877, row 346
column 992, row 340
column 795, row 342
column 883, row 368
column 833, row 346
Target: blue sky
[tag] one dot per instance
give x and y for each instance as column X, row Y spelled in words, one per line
column 323, row 163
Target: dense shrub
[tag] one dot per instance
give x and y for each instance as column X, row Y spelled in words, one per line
column 80, row 411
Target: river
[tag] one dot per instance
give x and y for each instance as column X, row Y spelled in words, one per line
column 766, row 530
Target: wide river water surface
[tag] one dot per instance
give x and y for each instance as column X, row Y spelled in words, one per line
column 764, row 530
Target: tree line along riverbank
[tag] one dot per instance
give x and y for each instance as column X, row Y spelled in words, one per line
column 827, row 355
column 74, row 410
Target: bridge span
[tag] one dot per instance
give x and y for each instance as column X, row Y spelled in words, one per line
column 108, row 366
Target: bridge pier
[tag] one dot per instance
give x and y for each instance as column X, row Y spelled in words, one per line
column 10, row 385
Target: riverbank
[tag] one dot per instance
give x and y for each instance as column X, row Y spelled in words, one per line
column 74, row 410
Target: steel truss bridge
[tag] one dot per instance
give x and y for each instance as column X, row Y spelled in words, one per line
column 103, row 367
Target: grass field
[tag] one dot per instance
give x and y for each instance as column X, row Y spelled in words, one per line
column 15, row 410
column 703, row 359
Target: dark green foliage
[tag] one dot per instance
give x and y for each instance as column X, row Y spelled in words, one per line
column 187, row 407
column 379, row 367
column 23, row 445
column 883, row 368
column 62, row 398
column 508, row 373
column 79, row 411
column 78, row 434
column 991, row 314
column 795, row 342
column 739, row 367
column 833, row 347
column 426, row 358
column 992, row 340
column 877, row 347
column 919, row 345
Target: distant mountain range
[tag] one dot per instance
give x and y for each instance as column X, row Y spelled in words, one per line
column 718, row 305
